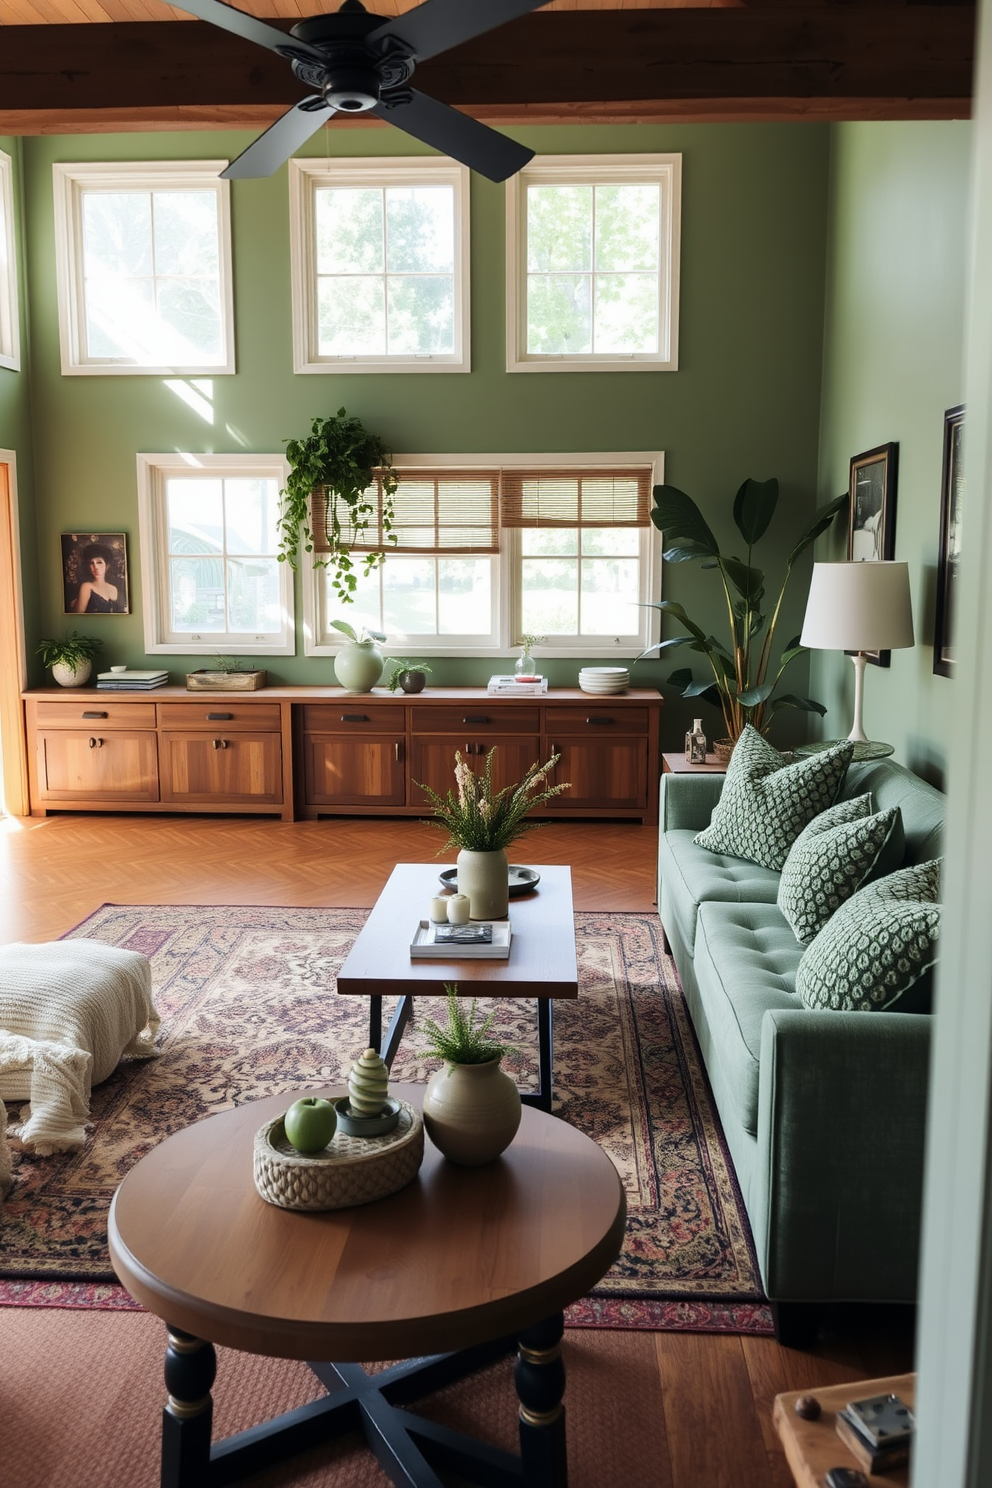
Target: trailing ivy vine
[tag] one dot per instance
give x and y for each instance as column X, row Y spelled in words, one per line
column 339, row 460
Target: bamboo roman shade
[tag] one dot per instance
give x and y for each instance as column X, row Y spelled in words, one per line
column 576, row 498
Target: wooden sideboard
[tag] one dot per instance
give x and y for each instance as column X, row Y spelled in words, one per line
column 320, row 751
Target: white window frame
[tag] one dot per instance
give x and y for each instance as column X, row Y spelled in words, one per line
column 153, row 472
column 70, row 181
column 318, row 640
column 305, row 177
column 594, row 170
column 10, row 341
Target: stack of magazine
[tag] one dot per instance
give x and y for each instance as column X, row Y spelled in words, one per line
column 131, row 681
column 878, row 1431
column 482, row 939
column 508, row 686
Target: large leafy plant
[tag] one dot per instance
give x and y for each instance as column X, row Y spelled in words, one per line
column 745, row 669
column 338, row 464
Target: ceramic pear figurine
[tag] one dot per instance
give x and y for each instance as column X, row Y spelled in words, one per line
column 367, row 1085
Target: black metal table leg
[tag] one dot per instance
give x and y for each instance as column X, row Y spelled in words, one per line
column 541, row 1097
column 540, row 1381
column 400, row 1018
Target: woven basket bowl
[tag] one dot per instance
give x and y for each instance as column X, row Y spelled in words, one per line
column 351, row 1171
column 723, row 749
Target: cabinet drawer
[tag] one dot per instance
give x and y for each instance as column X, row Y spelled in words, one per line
column 455, row 718
column 354, row 717
column 83, row 713
column 208, row 715
column 596, row 718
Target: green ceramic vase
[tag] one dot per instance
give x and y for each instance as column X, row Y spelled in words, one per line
column 358, row 666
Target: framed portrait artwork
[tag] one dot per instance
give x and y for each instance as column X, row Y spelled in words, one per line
column 872, row 527
column 94, row 573
column 949, row 551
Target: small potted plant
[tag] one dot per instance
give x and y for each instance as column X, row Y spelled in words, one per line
column 409, row 676
column 358, row 665
column 472, row 1107
column 71, row 659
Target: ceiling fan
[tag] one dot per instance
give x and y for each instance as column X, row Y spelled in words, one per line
column 362, row 63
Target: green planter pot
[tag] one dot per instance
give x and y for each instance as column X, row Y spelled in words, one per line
column 358, row 666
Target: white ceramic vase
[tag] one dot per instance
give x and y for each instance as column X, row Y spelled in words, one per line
column 358, row 666
column 471, row 1112
column 485, row 878
column 67, row 676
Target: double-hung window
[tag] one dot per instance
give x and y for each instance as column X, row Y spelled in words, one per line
column 592, row 264
column 211, row 579
column 380, row 265
column 143, row 254
column 10, row 355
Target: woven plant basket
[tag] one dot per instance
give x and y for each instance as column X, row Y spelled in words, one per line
column 351, row 1171
column 723, row 749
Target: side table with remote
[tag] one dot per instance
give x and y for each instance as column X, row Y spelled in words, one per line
column 813, row 1447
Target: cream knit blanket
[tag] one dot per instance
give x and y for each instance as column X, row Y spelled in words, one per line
column 69, row 1012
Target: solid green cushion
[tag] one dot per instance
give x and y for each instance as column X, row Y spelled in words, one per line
column 830, row 860
column 766, row 803
column 690, row 875
column 878, row 945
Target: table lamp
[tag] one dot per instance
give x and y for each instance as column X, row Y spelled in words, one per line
column 858, row 607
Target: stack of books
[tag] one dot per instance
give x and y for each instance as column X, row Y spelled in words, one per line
column 509, row 686
column 878, row 1432
column 486, row 940
column 131, row 681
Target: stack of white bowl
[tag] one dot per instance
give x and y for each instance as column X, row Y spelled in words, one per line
column 604, row 680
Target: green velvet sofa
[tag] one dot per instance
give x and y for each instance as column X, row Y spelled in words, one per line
column 823, row 1112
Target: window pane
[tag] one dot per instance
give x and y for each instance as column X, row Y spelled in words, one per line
column 352, row 317
column 196, row 586
column 251, row 511
column 465, row 596
column 117, row 232
column 537, row 541
column 619, row 542
column 609, row 590
column 186, row 233
column 420, row 230
column 189, row 320
column 627, row 225
column 365, row 609
column 549, row 598
column 626, row 312
column 421, row 315
column 253, row 595
column 559, row 314
column 408, row 596
column 195, row 516
column 349, row 231
column 121, row 320
column 559, row 228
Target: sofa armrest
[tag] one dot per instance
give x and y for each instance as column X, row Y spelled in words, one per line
column 841, row 1126
column 687, row 801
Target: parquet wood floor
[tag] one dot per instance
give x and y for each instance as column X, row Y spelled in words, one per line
column 716, row 1392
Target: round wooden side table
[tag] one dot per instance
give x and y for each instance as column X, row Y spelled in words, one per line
column 472, row 1260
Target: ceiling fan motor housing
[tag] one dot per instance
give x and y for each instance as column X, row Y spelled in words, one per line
column 354, row 75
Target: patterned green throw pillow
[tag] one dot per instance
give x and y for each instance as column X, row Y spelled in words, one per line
column 766, row 803
column 831, row 859
column 878, row 945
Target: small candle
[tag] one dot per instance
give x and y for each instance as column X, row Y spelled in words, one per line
column 458, row 908
column 439, row 910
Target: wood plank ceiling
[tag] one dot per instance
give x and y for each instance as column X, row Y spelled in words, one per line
column 77, row 66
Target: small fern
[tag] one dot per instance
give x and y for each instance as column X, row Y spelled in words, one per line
column 461, row 1042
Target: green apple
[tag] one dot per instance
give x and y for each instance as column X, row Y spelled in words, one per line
column 310, row 1124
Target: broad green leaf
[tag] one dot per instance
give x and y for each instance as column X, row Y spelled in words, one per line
column 346, row 629
column 817, row 527
column 670, row 645
column 749, row 582
column 790, row 700
column 672, row 607
column 677, row 514
column 752, row 696
column 687, row 552
column 754, row 507
column 789, row 655
column 699, row 689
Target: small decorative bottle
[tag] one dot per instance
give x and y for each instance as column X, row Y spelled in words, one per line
column 525, row 669
column 695, row 743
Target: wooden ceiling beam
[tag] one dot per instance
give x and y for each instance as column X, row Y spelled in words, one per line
column 808, row 60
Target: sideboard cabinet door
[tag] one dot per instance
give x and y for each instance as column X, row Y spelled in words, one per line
column 226, row 768
column 97, row 764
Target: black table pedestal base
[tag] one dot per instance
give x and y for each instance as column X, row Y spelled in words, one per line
column 410, row 1449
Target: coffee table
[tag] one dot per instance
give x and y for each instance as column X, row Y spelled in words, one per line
column 541, row 963
column 479, row 1260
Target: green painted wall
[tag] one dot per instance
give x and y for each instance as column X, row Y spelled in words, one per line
column 893, row 362
column 745, row 402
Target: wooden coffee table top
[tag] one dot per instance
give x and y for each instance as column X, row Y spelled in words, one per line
column 542, row 952
column 459, row 1256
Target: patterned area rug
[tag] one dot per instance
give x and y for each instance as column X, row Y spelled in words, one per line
column 249, row 1010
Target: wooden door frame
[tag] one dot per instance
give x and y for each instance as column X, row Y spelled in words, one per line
column 13, row 662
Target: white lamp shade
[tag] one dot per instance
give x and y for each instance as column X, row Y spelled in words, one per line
column 858, row 607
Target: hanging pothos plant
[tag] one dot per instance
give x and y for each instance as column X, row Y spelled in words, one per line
column 341, row 468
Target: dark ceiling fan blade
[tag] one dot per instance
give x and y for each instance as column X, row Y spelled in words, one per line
column 473, row 144
column 247, row 26
column 439, row 24
column 279, row 141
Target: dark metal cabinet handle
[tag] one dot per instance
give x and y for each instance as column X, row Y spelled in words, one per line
column 599, row 720
column 476, row 718
column 354, row 718
column 398, row 751
column 96, row 743
column 219, row 743
column 96, row 715
column 219, row 717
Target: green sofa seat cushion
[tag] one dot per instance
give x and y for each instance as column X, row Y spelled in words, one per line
column 746, row 958
column 692, row 875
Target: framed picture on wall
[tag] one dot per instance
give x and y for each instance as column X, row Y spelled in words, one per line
column 871, row 536
column 949, row 552
column 94, row 573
